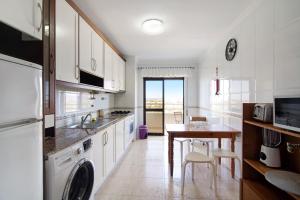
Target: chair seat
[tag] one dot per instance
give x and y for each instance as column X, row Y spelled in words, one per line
column 197, row 157
column 198, row 145
column 224, row 153
column 182, row 139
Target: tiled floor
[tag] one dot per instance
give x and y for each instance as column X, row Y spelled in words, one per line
column 144, row 175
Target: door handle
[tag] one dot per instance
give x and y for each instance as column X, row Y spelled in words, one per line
column 77, row 72
column 41, row 22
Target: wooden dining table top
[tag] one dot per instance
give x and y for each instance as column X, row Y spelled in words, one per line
column 207, row 128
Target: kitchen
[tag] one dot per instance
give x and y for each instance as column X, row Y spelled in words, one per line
column 79, row 78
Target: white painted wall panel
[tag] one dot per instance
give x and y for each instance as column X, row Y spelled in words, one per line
column 267, row 63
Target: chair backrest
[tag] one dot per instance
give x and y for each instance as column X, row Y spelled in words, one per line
column 198, row 119
column 178, row 117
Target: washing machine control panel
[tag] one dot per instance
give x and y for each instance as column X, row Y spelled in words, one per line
column 87, row 144
column 79, row 150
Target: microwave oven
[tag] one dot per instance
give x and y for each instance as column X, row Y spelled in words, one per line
column 287, row 113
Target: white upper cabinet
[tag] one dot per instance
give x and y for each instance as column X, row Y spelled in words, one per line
column 90, row 50
column 122, row 74
column 66, row 42
column 98, row 54
column 108, row 67
column 116, row 71
column 24, row 15
column 85, row 46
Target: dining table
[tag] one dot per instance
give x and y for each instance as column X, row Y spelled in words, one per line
column 219, row 131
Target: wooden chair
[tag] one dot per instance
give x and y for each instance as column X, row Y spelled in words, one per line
column 195, row 157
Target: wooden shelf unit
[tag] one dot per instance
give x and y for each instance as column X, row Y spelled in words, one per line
column 254, row 185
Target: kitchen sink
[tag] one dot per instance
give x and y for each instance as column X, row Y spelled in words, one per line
column 93, row 124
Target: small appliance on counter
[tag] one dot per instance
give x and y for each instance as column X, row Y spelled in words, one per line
column 270, row 152
column 263, row 112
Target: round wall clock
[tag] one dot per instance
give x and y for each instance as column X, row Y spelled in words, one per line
column 231, row 49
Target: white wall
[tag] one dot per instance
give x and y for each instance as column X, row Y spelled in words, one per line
column 267, row 62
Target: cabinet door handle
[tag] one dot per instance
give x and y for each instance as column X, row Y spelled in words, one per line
column 41, row 22
column 77, row 72
column 95, row 64
column 104, row 138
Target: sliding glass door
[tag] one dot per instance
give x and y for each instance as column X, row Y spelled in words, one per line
column 154, row 105
column 163, row 103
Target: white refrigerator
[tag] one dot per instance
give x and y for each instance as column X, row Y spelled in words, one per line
column 21, row 130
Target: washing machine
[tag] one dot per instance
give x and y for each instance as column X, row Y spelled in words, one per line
column 70, row 173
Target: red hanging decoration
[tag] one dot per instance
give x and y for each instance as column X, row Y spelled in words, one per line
column 217, row 82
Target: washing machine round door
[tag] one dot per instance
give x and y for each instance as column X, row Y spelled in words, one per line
column 80, row 182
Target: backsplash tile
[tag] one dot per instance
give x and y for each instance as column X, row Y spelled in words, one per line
column 71, row 104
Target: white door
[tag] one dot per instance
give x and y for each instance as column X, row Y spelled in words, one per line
column 108, row 68
column 85, row 46
column 109, row 150
column 21, row 168
column 98, row 151
column 24, row 15
column 66, row 42
column 98, row 54
column 119, row 139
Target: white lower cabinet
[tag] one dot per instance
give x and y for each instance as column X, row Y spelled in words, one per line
column 129, row 130
column 108, row 148
column 109, row 161
column 98, row 153
column 119, row 139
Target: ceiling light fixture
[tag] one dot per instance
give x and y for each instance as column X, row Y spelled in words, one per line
column 153, row 26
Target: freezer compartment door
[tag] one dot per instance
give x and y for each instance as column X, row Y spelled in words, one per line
column 21, row 90
column 21, row 168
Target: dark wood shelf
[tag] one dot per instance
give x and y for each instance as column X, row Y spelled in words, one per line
column 260, row 190
column 258, row 166
column 272, row 127
column 263, row 169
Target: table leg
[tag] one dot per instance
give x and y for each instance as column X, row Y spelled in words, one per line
column 219, row 146
column 232, row 160
column 171, row 147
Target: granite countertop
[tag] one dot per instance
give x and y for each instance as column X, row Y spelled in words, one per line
column 66, row 137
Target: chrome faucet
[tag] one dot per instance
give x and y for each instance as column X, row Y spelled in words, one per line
column 83, row 119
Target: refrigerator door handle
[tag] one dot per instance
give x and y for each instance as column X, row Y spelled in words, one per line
column 17, row 124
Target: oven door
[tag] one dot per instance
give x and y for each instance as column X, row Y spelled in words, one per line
column 80, row 182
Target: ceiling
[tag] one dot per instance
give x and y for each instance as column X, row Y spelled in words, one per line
column 191, row 26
